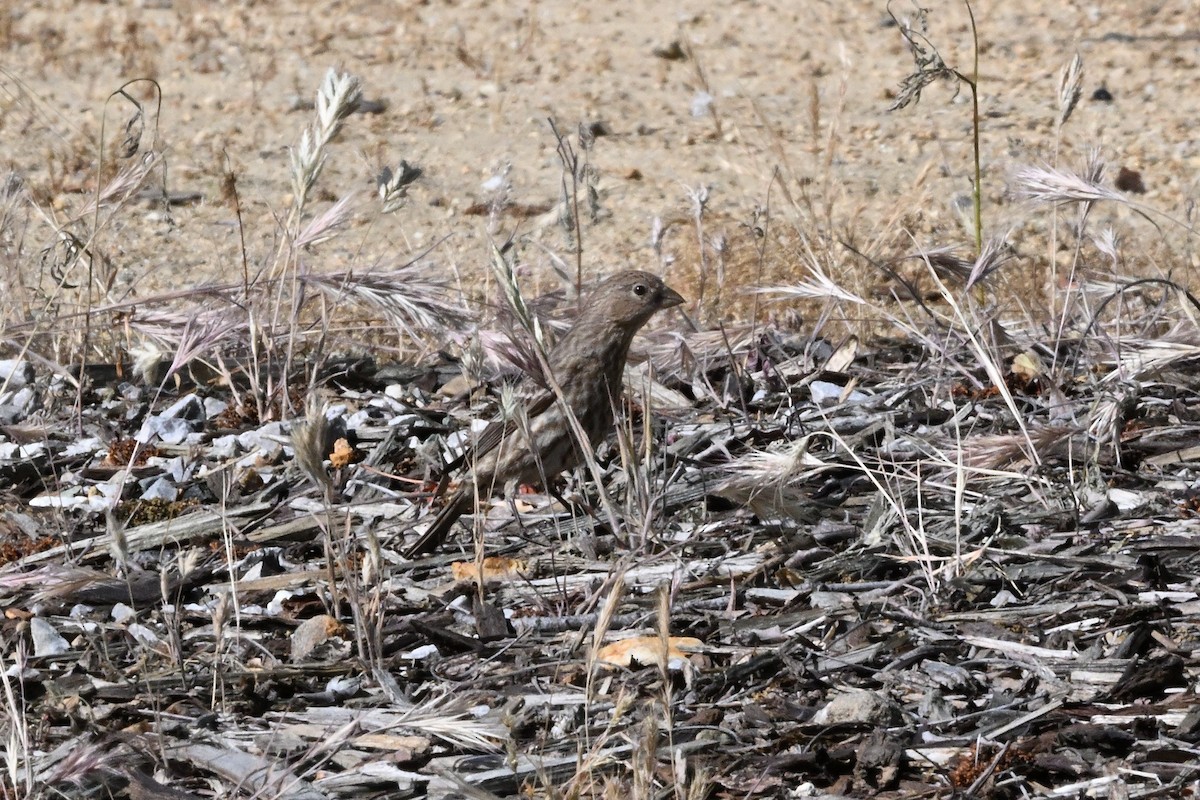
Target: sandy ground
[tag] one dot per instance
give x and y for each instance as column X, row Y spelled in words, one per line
column 797, row 139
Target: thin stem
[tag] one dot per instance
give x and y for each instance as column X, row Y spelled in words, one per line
column 570, row 163
column 974, row 84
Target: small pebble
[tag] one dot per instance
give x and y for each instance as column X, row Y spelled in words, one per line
column 1130, row 180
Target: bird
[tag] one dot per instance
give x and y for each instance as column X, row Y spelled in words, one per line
column 587, row 364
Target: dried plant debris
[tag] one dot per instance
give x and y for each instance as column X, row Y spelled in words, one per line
column 873, row 580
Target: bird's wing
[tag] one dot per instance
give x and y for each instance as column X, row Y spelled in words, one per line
column 495, row 433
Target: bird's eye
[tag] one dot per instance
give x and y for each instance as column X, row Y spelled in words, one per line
column 640, row 289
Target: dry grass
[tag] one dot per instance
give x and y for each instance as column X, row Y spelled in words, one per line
column 1077, row 273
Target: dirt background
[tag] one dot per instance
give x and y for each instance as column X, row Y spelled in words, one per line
column 797, row 141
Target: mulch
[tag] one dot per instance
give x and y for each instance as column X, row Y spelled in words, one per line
column 814, row 570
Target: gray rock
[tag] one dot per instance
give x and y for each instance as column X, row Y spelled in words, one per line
column 857, row 706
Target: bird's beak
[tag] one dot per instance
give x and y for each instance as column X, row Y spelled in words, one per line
column 670, row 298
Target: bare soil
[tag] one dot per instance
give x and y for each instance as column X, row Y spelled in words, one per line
column 797, row 134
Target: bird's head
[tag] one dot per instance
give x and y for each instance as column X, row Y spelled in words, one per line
column 629, row 299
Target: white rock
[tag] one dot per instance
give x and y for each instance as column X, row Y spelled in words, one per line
column 224, row 447
column 169, row 430
column 46, row 641
column 143, row 634
column 79, row 611
column 826, row 393
column 90, row 444
column 186, row 407
column 421, row 653
column 16, row 372
column 359, row 419
column 214, row 407
column 161, row 489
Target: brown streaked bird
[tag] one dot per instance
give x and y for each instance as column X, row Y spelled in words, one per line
column 588, row 364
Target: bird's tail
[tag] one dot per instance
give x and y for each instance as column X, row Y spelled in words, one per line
column 435, row 534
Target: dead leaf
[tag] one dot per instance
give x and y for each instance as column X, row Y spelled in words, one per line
column 342, row 455
column 1028, row 366
column 647, row 650
column 495, row 568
